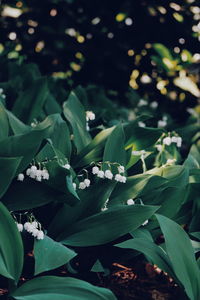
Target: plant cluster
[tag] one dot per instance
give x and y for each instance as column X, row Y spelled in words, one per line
column 69, row 189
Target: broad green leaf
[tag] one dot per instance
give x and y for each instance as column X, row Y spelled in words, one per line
column 114, row 149
column 181, row 254
column 11, row 247
column 18, row 127
column 70, row 187
column 30, row 194
column 25, row 145
column 30, row 102
column 86, row 207
column 8, row 167
column 50, row 255
column 76, row 116
column 4, row 127
column 58, row 132
column 94, row 150
column 155, row 254
column 134, row 187
column 141, row 138
column 106, row 226
column 53, row 288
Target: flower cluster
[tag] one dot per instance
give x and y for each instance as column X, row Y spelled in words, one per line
column 37, row 174
column 162, row 123
column 84, row 184
column 168, row 140
column 109, row 175
column 32, row 227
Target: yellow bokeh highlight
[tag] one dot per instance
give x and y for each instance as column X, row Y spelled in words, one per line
column 120, row 17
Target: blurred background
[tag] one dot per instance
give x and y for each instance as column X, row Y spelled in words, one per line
column 145, row 49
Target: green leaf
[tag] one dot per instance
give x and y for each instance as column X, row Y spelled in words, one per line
column 58, row 132
column 8, row 167
column 50, row 255
column 155, row 254
column 75, row 114
column 18, row 127
column 94, row 150
column 29, row 194
column 114, row 149
column 30, row 102
column 3, row 122
column 71, row 187
column 11, row 247
column 86, row 207
column 181, row 254
column 52, row 288
column 106, row 226
column 25, row 145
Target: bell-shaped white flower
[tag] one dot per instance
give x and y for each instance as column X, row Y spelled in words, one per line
column 20, row 177
column 20, row 227
column 108, row 174
column 87, row 182
column 40, row 235
column 130, row 202
column 82, row 185
column 67, row 166
column 100, row 174
column 95, row 170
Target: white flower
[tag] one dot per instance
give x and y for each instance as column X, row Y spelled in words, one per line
column 167, row 141
column 100, row 174
column 142, row 102
column 159, row 147
column 28, row 171
column 38, row 178
column 90, row 116
column 162, row 123
column 118, row 177
column 40, row 235
column 87, row 182
column 1, row 90
column 74, row 185
column 26, row 225
column 35, row 224
column 141, row 124
column 179, row 141
column 33, row 168
column 35, row 232
column 121, row 169
column 130, row 202
column 145, row 223
column 20, row 227
column 154, row 104
column 67, row 166
column 38, row 173
column 95, row 170
column 108, row 174
column 82, row 185
column 123, row 179
column 29, row 227
column 45, row 174
column 174, row 139
column 20, row 177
